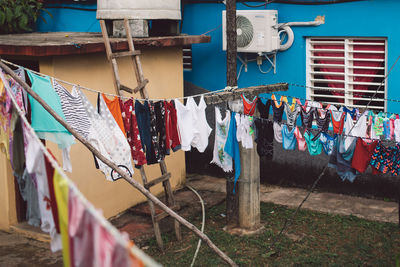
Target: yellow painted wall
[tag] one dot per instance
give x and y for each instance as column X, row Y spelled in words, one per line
column 163, row 68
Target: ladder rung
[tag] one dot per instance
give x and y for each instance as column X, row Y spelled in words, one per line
column 158, row 180
column 161, row 216
column 125, row 54
column 141, row 86
column 125, row 88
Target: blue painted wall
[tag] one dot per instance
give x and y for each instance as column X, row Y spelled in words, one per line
column 69, row 20
column 372, row 18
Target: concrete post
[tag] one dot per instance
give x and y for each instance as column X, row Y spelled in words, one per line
column 249, row 189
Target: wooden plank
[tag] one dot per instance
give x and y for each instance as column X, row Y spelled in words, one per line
column 69, row 43
column 158, row 180
column 140, row 86
column 163, row 215
column 250, row 92
column 125, row 88
column 125, row 54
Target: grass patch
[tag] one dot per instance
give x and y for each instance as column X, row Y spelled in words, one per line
column 313, row 239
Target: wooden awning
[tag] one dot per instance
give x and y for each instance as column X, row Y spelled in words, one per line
column 75, row 43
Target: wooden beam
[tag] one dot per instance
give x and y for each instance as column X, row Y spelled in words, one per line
column 112, row 165
column 232, row 200
column 249, row 92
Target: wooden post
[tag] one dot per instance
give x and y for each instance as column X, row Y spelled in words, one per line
column 232, row 200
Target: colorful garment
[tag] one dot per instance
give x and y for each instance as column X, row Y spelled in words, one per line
column 171, row 124
column 159, row 110
column 314, row 146
column 386, row 159
column 341, row 159
column 232, row 147
column 45, row 126
column 220, row 157
column 338, row 117
column 277, row 132
column 301, row 141
column 154, row 134
column 292, row 111
column 327, row 142
column 307, row 117
column 115, row 109
column 243, row 133
column 249, row 106
column 378, row 124
column 277, row 108
column 386, row 128
column 132, row 132
column 288, row 138
column 362, row 155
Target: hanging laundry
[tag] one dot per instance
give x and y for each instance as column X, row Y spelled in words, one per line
column 145, row 130
column 249, row 106
column 378, row 124
column 397, row 129
column 153, row 133
column 232, row 147
column 277, row 108
column 301, row 141
column 243, row 133
column 314, row 146
column 220, row 157
column 288, row 138
column 53, row 201
column 203, row 130
column 106, row 137
column 386, row 128
column 115, row 110
column 18, row 154
column 352, row 131
column 386, row 159
column 132, row 132
column 392, row 119
column 159, row 109
column 236, row 106
column 263, row 109
column 308, row 105
column 277, row 132
column 264, row 138
column 371, row 134
column 73, row 110
column 15, row 87
column 171, row 125
column 341, row 159
column 186, row 123
column 35, row 165
column 338, row 117
column 292, row 111
column 327, row 142
column 362, row 155
column 307, row 117
column 46, row 127
column 323, row 121
column 5, row 121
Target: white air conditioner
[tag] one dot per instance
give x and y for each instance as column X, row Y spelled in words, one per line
column 257, row 31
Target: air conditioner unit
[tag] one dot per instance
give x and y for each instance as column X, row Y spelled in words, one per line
column 256, row 31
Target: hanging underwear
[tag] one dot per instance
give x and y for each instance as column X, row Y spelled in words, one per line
column 386, row 159
column 301, row 141
column 249, row 107
column 378, row 124
column 159, row 110
column 341, row 159
column 314, row 146
column 327, row 142
column 265, row 138
column 362, row 155
column 277, row 109
column 307, row 117
column 351, row 112
column 337, row 120
column 263, row 109
column 386, row 128
column 323, row 122
column 277, row 132
column 171, row 125
column 292, row 112
column 397, row 130
column 288, row 138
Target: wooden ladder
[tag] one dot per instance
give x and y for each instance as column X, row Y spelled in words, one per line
column 142, row 82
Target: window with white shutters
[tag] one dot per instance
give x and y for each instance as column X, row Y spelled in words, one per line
column 347, row 71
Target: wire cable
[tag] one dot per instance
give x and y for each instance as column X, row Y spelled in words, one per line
column 203, row 222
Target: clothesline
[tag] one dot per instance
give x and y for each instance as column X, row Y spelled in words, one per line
column 111, row 229
column 113, row 95
column 317, row 130
column 184, row 97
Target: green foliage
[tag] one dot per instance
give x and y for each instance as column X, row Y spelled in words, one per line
column 17, row 16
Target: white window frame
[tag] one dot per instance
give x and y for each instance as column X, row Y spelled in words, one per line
column 348, row 73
